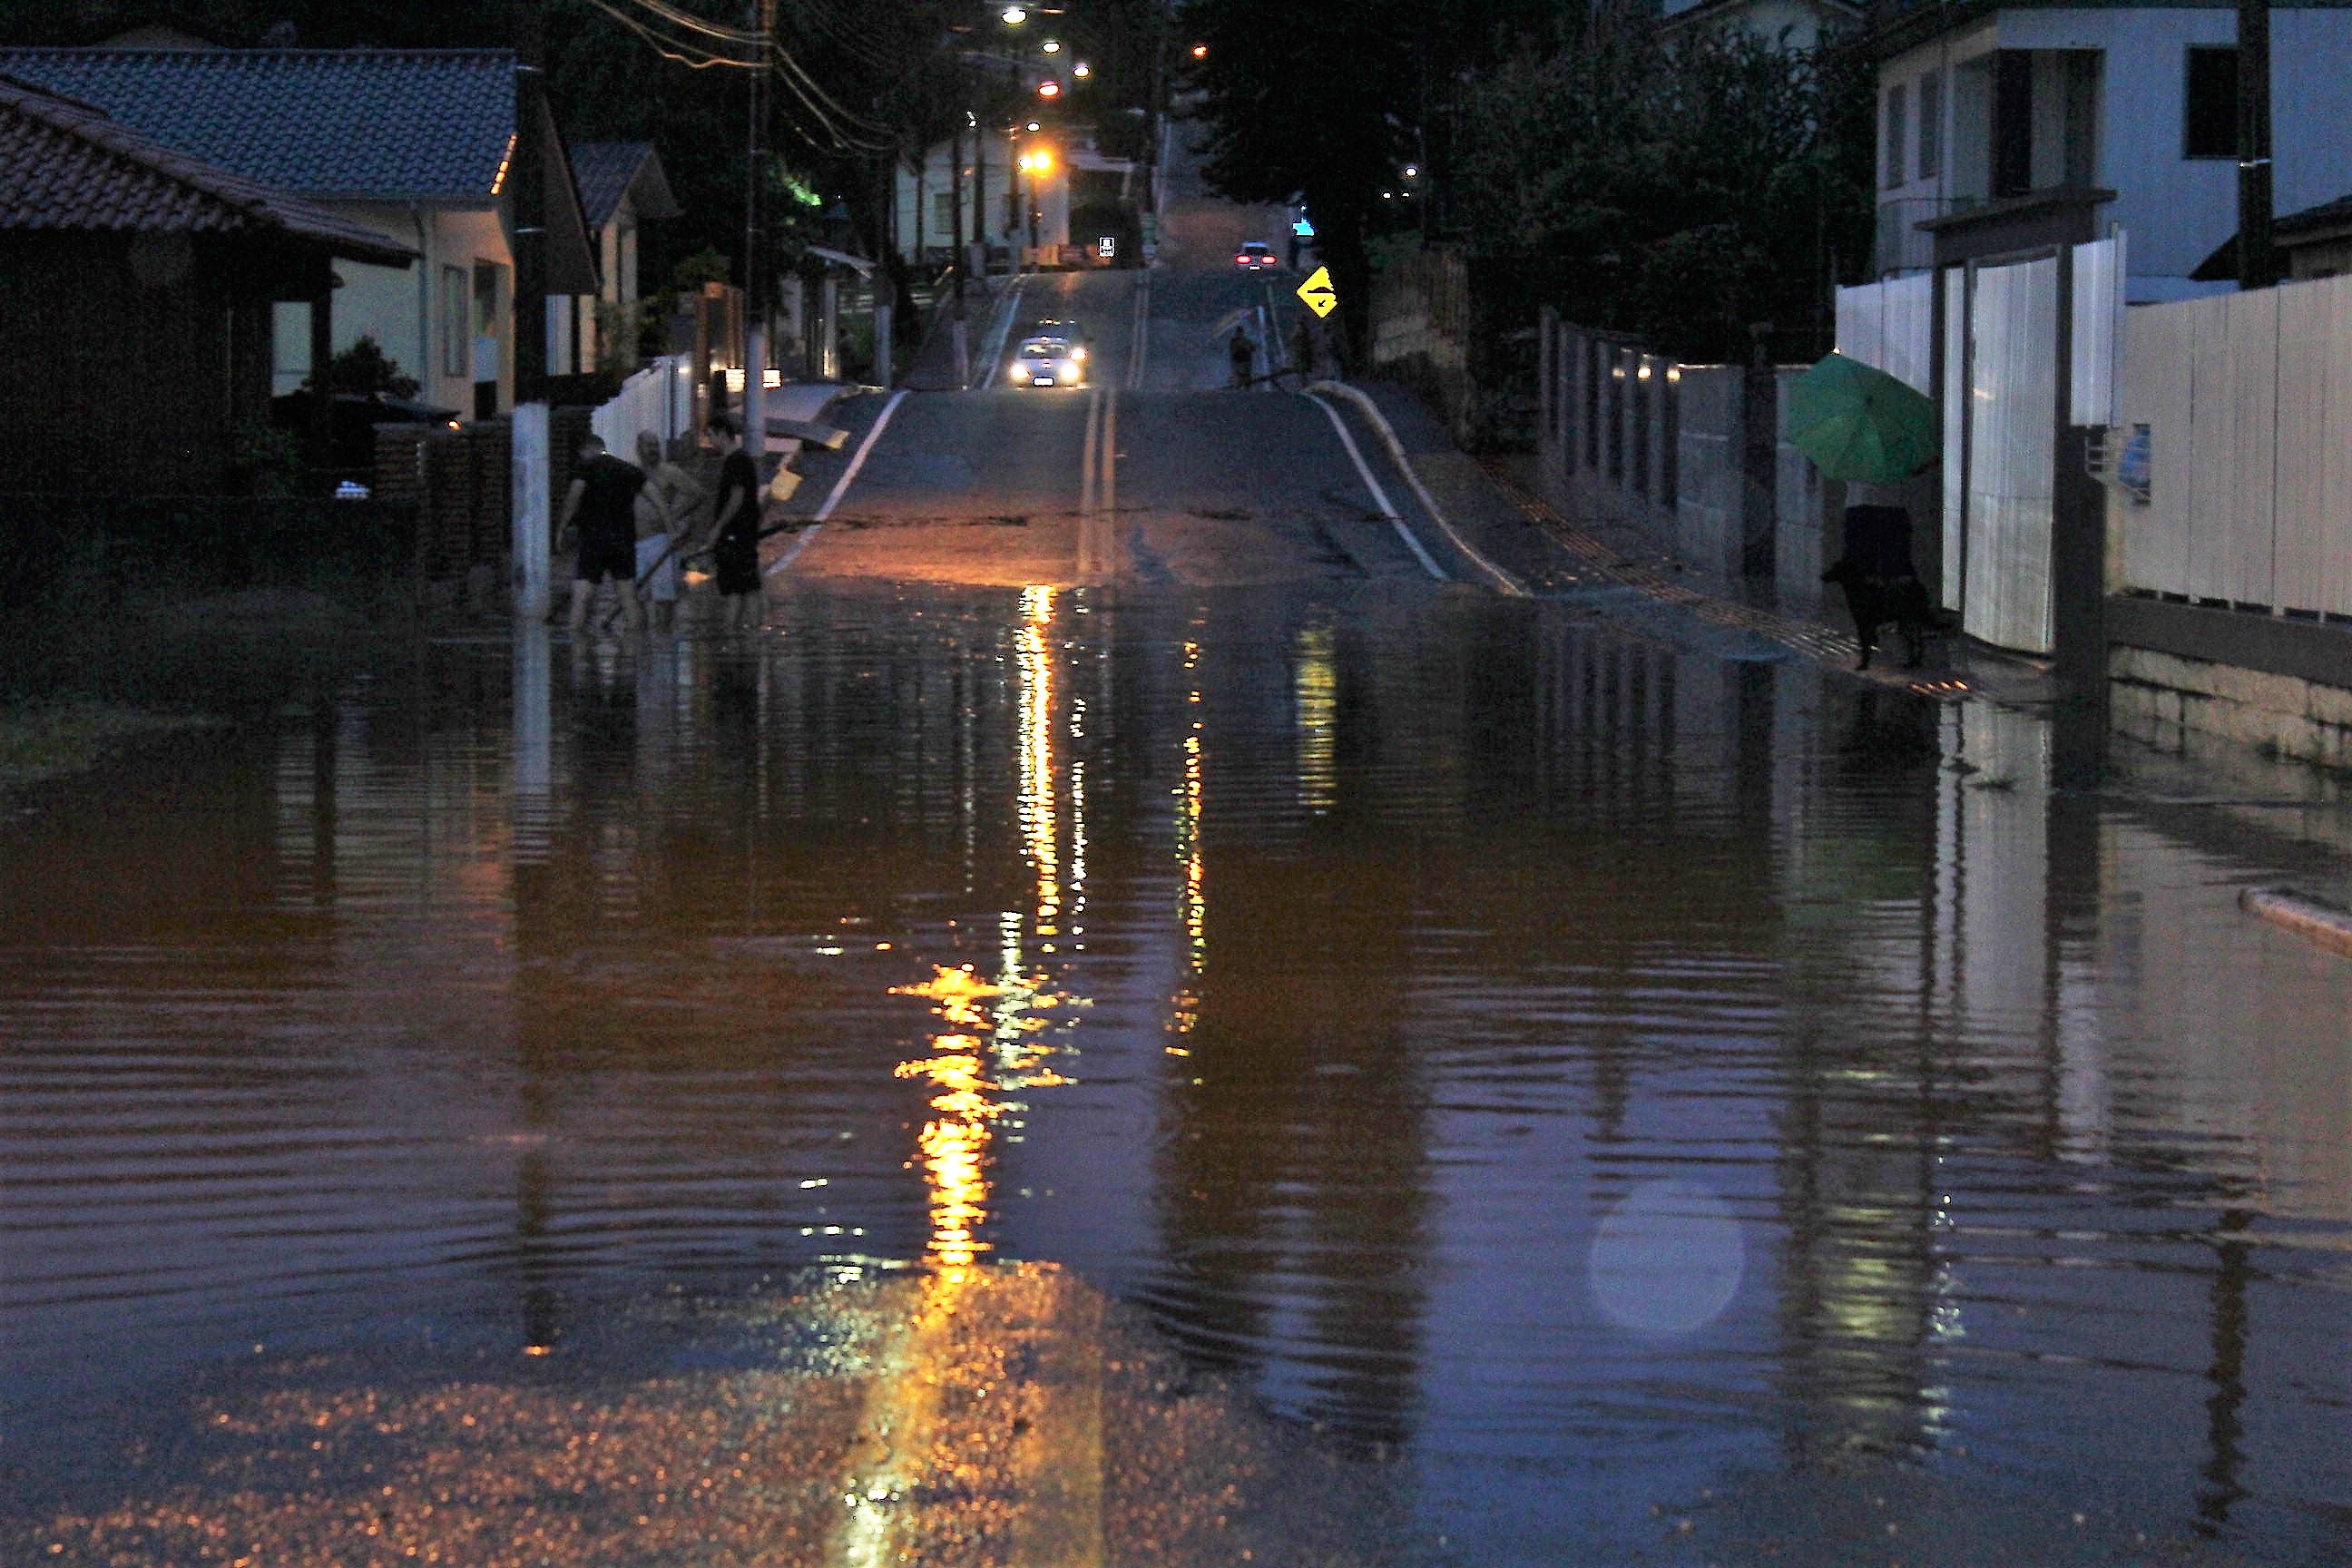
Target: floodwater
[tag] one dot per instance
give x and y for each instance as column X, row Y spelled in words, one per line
column 1659, row 1107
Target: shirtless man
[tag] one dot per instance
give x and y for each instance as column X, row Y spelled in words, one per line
column 664, row 510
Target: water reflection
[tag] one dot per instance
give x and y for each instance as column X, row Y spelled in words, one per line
column 1440, row 970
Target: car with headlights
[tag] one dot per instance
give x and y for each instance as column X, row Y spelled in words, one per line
column 1254, row 257
column 1049, row 359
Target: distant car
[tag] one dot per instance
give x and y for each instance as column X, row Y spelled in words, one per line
column 1255, row 255
column 1049, row 359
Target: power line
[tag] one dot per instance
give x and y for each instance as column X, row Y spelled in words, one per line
column 670, row 48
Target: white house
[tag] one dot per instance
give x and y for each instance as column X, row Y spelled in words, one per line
column 1792, row 24
column 1013, row 175
column 2005, row 126
column 414, row 144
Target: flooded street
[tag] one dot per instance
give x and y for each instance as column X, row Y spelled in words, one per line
column 1565, row 1097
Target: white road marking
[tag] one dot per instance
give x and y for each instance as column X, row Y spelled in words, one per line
column 849, row 475
column 1379, row 496
column 1138, row 345
column 1372, row 411
column 999, row 333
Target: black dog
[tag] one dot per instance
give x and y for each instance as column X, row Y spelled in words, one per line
column 1881, row 585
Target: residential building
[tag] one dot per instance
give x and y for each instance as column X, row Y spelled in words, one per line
column 1050, row 173
column 1791, row 24
column 412, row 144
column 2007, row 125
column 142, row 285
column 622, row 186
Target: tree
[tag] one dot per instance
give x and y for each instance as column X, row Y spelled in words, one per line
column 1310, row 101
column 366, row 369
column 1683, row 193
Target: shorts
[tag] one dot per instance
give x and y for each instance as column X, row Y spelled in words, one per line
column 606, row 555
column 662, row 586
column 738, row 567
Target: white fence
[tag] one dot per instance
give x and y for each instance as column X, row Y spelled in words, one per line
column 2244, row 399
column 659, row 398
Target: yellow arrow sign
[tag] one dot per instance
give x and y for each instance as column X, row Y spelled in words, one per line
column 1317, row 293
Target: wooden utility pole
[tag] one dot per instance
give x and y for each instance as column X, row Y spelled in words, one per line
column 2257, row 257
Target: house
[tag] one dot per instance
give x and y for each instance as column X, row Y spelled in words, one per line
column 2004, row 126
column 142, row 286
column 1791, row 24
column 622, row 186
column 1006, row 179
column 412, row 145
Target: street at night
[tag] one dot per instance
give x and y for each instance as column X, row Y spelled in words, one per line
column 1221, row 980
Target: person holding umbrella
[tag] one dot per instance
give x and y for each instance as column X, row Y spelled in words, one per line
column 1863, row 425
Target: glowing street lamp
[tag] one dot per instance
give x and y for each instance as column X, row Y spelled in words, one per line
column 1014, row 16
column 1049, row 89
column 1082, row 69
column 1200, row 51
column 1053, row 46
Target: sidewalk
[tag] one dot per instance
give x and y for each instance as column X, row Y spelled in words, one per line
column 1565, row 558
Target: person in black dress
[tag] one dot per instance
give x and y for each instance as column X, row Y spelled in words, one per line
column 735, row 529
column 602, row 507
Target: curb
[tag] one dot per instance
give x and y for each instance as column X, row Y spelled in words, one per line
column 2321, row 924
column 1371, row 411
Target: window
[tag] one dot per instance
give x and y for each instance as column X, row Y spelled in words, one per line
column 1891, row 171
column 1931, row 125
column 456, row 311
column 2210, row 112
column 943, row 212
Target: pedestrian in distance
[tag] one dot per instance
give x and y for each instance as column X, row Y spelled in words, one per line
column 1243, row 353
column 734, row 541
column 665, row 512
column 600, row 521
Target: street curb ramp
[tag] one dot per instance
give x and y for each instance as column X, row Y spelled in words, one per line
column 1370, row 410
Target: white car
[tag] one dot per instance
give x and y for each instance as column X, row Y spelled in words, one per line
column 1049, row 362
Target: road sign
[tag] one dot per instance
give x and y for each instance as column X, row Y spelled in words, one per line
column 1319, row 294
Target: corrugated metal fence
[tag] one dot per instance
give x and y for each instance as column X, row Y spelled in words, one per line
column 2243, row 401
column 2011, row 331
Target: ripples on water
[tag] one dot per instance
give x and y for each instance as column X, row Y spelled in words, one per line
column 1601, row 1069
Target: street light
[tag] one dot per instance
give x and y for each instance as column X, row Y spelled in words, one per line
column 1053, row 46
column 1200, row 51
column 1049, row 89
column 1082, row 69
column 1014, row 16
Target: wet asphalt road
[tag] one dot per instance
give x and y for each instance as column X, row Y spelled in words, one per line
column 1138, row 1025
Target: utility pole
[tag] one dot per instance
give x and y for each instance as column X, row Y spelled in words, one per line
column 959, row 333
column 759, row 286
column 2257, row 259
column 530, row 537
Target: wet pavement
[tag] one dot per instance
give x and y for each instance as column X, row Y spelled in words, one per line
column 1360, row 1070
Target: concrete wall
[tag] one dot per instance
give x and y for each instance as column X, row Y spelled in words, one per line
column 1631, row 440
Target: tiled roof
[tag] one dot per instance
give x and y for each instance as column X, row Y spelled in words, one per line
column 395, row 125
column 65, row 167
column 604, row 170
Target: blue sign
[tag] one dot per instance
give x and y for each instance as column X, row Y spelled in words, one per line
column 1303, row 229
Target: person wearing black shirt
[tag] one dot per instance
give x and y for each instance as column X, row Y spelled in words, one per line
column 735, row 531
column 602, row 507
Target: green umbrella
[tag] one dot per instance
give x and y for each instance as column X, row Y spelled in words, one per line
column 1859, row 423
